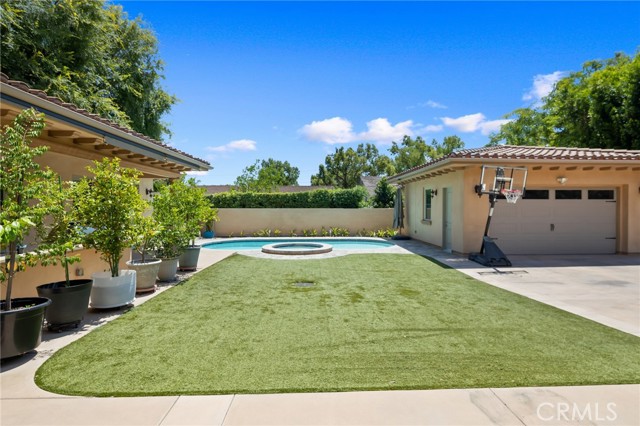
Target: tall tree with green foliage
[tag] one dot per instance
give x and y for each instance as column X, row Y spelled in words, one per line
column 409, row 153
column 414, row 152
column 87, row 52
column 267, row 175
column 344, row 167
column 596, row 107
column 384, row 194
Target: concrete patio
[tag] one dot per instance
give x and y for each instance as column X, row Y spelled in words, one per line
column 603, row 288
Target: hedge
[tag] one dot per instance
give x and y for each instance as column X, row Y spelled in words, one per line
column 320, row 198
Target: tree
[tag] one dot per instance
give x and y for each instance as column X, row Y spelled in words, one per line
column 110, row 204
column 267, row 175
column 384, row 194
column 22, row 184
column 344, row 167
column 596, row 107
column 415, row 152
column 89, row 54
column 448, row 145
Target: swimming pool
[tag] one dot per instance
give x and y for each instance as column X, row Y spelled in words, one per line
column 337, row 243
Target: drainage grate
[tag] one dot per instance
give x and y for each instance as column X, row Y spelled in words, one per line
column 303, row 285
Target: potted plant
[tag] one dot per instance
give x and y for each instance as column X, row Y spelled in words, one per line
column 197, row 211
column 208, row 229
column 108, row 206
column 172, row 236
column 69, row 298
column 146, row 267
column 22, row 181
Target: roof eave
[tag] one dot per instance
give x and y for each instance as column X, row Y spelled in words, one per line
column 115, row 136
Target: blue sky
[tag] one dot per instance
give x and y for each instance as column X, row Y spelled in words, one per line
column 294, row 80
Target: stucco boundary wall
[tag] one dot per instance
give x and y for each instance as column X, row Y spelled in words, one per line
column 234, row 222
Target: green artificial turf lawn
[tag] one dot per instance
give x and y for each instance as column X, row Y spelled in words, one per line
column 369, row 322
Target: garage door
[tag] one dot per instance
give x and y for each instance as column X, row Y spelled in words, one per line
column 557, row 221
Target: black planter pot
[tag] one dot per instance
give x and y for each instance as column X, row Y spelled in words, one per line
column 68, row 304
column 21, row 327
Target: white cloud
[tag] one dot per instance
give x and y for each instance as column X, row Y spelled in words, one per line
column 433, row 128
column 434, row 104
column 339, row 130
column 488, row 127
column 239, row 145
column 198, row 173
column 543, row 85
column 383, row 132
column 466, row 123
column 474, row 122
column 332, row 131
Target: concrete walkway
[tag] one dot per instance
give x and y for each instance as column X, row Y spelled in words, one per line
column 569, row 283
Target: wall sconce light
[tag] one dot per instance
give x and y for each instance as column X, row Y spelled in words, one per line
column 149, row 192
column 561, row 180
column 434, row 192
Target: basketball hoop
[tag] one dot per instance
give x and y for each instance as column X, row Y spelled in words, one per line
column 511, row 195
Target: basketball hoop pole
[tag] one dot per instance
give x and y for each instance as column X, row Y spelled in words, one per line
column 490, row 254
column 492, row 205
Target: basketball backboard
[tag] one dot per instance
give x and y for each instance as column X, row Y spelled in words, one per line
column 501, row 180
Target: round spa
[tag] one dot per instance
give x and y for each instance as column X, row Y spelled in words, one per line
column 297, row 248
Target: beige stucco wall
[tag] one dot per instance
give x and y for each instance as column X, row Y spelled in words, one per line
column 25, row 282
column 235, row 221
column 470, row 211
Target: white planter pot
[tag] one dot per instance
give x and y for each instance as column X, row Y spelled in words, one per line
column 146, row 274
column 112, row 292
column 168, row 269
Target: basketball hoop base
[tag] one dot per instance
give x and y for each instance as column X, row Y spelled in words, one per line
column 492, row 255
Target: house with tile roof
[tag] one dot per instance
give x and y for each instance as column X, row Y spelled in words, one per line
column 75, row 138
column 576, row 201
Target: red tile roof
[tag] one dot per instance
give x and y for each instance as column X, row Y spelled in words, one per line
column 21, row 85
column 515, row 152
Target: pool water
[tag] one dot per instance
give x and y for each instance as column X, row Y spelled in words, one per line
column 337, row 243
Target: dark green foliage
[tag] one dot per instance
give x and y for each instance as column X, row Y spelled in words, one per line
column 90, row 54
column 597, row 107
column 321, row 198
column 344, row 167
column 412, row 153
column 267, row 175
column 365, row 322
column 384, row 194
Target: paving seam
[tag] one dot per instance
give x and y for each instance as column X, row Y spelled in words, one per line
column 168, row 411
column 224, row 419
column 507, row 407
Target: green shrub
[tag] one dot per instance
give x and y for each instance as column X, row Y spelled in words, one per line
column 321, row 198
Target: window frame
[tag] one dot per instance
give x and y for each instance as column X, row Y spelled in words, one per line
column 427, row 205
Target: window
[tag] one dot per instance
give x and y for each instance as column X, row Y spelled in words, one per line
column 427, row 204
column 601, row 194
column 536, row 194
column 568, row 194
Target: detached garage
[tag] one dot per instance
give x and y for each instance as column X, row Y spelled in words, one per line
column 576, row 201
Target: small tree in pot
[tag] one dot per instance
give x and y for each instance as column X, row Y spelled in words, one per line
column 22, row 183
column 172, row 237
column 70, row 298
column 146, row 267
column 197, row 212
column 109, row 205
